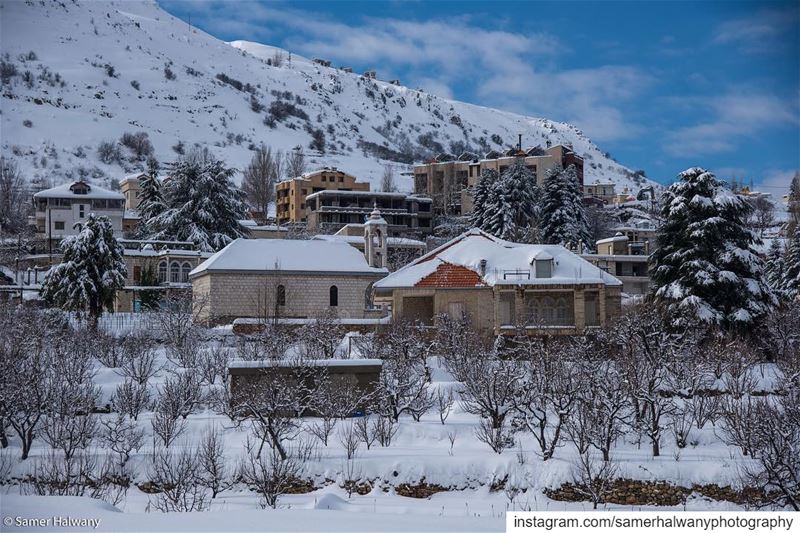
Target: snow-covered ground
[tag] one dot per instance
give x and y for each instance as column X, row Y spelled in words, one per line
column 420, row 452
column 96, row 70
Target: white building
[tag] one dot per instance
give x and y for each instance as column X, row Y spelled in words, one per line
column 59, row 209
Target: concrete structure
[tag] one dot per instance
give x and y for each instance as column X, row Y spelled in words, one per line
column 274, row 278
column 130, row 187
column 362, row 375
column 331, row 210
column 60, row 208
column 264, row 231
column 628, row 262
column 602, row 191
column 448, row 179
column 376, row 240
column 290, row 195
column 170, row 261
column 504, row 287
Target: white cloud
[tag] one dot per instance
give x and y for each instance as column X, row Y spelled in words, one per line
column 506, row 69
column 758, row 32
column 733, row 117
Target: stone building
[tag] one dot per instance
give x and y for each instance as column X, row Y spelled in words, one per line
column 276, row 278
column 449, row 179
column 503, row 287
column 290, row 194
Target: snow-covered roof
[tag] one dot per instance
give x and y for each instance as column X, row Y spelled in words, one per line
column 93, row 193
column 332, row 363
column 288, row 256
column 340, row 192
column 615, row 238
column 506, row 263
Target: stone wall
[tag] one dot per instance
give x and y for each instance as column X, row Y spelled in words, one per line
column 255, row 295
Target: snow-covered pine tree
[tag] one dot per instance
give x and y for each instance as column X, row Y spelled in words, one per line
column 151, row 203
column 92, row 270
column 480, row 196
column 497, row 215
column 202, row 204
column 705, row 269
column 775, row 265
column 791, row 273
column 562, row 217
column 518, row 185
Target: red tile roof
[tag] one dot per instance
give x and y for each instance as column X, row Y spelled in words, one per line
column 448, row 275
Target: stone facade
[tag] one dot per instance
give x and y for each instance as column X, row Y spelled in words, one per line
column 483, row 306
column 221, row 297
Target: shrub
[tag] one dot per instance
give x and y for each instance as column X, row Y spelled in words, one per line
column 280, row 110
column 108, row 152
column 168, row 73
column 138, row 143
column 135, row 84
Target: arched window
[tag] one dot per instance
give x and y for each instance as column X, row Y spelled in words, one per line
column 174, row 272
column 185, row 269
column 280, row 295
column 333, row 294
column 162, row 272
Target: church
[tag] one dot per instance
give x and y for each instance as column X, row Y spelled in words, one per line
column 268, row 279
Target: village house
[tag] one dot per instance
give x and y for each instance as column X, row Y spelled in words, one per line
column 290, row 194
column 60, row 208
column 625, row 260
column 275, row 278
column 503, row 287
column 167, row 263
column 602, row 191
column 449, row 179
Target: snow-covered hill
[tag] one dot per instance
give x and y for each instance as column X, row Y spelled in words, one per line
column 77, row 75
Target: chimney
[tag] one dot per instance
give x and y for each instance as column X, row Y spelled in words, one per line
column 482, row 267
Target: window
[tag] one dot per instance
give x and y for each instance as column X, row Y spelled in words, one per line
column 174, row 272
column 591, row 308
column 333, row 296
column 185, row 269
column 544, row 268
column 81, row 210
column 162, row 272
column 552, row 309
column 341, row 179
column 280, row 295
column 324, row 178
column 507, row 311
column 137, row 274
column 59, row 224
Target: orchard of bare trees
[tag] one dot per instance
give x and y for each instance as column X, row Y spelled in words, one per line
column 86, row 412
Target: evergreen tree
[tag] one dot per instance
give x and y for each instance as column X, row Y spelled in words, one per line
column 149, row 278
column 705, row 269
column 775, row 266
column 202, row 204
column 480, row 196
column 521, row 195
column 791, row 274
column 92, row 270
column 497, row 215
column 562, row 219
column 151, row 203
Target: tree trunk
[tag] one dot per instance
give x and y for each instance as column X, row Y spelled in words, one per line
column 654, row 429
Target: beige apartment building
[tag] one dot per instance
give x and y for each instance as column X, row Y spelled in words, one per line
column 504, row 288
column 131, row 189
column 290, row 195
column 448, row 180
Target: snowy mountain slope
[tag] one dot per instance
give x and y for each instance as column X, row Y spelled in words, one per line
column 78, row 74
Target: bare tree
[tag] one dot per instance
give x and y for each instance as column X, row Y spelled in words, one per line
column 14, row 199
column 444, row 403
column 774, row 427
column 121, row 436
column 260, row 176
column 387, row 180
column 213, row 363
column 593, row 479
column 321, row 338
column 214, row 473
column 130, row 399
column 166, row 421
column 295, row 163
column 349, row 439
column 366, row 431
column 138, row 359
column 270, row 475
column 385, row 429
column 69, row 424
column 177, row 475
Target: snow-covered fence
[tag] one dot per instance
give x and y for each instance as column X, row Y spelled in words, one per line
column 117, row 323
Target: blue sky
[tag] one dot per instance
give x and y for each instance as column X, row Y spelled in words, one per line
column 661, row 85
